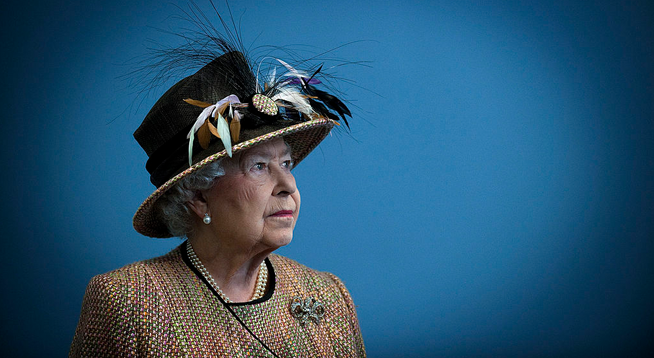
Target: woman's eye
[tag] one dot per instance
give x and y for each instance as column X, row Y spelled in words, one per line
column 259, row 166
column 288, row 164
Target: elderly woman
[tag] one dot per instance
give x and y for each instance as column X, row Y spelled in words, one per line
column 221, row 146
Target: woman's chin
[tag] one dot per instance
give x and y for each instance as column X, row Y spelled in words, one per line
column 279, row 240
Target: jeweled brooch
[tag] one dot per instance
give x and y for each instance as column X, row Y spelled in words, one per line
column 307, row 309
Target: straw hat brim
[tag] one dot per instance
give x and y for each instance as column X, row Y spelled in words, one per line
column 302, row 137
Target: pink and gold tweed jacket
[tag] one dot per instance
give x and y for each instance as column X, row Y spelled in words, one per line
column 163, row 308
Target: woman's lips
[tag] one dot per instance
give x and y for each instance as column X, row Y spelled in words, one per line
column 283, row 214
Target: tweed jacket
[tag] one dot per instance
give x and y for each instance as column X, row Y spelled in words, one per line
column 163, row 307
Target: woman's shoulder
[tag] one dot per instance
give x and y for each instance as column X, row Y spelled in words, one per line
column 289, row 269
column 116, row 303
column 291, row 266
column 141, row 271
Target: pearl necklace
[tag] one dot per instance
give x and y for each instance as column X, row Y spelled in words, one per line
column 259, row 289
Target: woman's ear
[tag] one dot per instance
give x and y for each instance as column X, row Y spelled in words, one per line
column 198, row 204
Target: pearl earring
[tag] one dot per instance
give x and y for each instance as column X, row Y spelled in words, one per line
column 206, row 219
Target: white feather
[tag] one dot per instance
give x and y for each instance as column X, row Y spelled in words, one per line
column 223, row 130
column 292, row 72
column 271, row 77
column 198, row 123
column 201, row 119
column 291, row 95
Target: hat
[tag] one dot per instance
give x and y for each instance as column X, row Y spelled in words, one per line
column 222, row 109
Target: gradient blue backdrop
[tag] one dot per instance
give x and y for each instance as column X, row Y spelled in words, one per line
column 497, row 199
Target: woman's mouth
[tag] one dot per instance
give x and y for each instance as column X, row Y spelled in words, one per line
column 283, row 214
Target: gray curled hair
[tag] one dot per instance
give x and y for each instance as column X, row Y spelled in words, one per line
column 172, row 207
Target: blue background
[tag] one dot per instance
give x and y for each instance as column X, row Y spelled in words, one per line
column 496, row 198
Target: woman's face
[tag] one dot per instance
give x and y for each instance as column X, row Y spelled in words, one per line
column 256, row 202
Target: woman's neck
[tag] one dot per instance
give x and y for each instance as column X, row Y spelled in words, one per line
column 235, row 271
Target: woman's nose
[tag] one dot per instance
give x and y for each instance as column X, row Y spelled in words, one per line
column 285, row 181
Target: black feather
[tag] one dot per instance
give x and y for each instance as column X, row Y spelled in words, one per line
column 320, row 108
column 306, row 82
column 330, row 101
